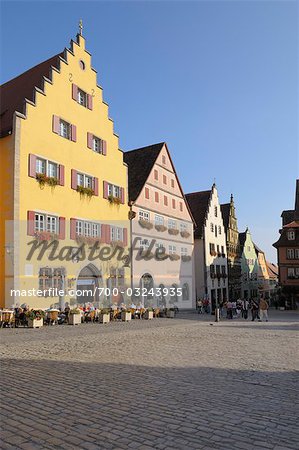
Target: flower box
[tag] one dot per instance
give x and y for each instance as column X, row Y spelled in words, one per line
column 174, row 257
column 170, row 314
column 185, row 234
column 148, row 315
column 85, row 191
column 186, row 258
column 114, row 200
column 161, row 227
column 173, row 231
column 145, row 224
column 126, row 316
column 104, row 318
column 35, row 323
column 74, row 319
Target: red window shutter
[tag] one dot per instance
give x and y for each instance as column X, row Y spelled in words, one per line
column 73, row 228
column 96, row 186
column 165, row 200
column 32, row 166
column 74, row 133
column 173, row 203
column 61, row 228
column 30, row 223
column 103, row 232
column 122, row 195
column 125, row 237
column 164, row 179
column 146, row 193
column 74, row 179
column 105, row 189
column 89, row 101
column 74, row 92
column 61, row 175
column 104, row 148
column 89, row 140
column 55, row 124
column 108, row 232
column 155, row 174
column 181, row 206
column 157, row 197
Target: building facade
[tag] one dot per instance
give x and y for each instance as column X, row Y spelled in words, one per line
column 210, row 253
column 233, row 249
column 288, row 254
column 263, row 279
column 162, row 230
column 249, row 266
column 64, row 182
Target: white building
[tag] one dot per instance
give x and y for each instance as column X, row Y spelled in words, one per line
column 162, row 228
column 210, row 255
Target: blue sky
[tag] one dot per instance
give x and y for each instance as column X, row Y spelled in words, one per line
column 216, row 80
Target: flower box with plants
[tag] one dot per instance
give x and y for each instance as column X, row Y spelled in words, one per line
column 85, row 191
column 185, row 234
column 145, row 224
column 45, row 236
column 173, row 231
column 75, row 316
column 148, row 314
column 114, row 200
column 160, row 227
column 89, row 240
column 170, row 313
column 186, row 258
column 104, row 315
column 126, row 316
column 42, row 179
column 35, row 318
column 174, row 257
column 116, row 244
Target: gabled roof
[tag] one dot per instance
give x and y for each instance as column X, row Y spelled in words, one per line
column 225, row 210
column 294, row 224
column 242, row 238
column 140, row 163
column 257, row 249
column 198, row 203
column 14, row 92
column 272, row 270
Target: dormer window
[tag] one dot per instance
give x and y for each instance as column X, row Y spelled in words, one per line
column 291, row 235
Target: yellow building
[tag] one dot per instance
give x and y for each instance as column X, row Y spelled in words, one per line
column 63, row 181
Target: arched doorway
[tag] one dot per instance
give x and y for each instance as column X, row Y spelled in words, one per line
column 88, row 281
column 147, row 289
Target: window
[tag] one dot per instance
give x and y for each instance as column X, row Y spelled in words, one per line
column 218, row 249
column 223, row 271
column 183, row 227
column 157, row 197
column 44, row 222
column 97, row 145
column 144, row 215
column 146, row 193
column 212, row 249
column 82, row 64
column 212, row 270
column 184, row 251
column 291, row 235
column 159, row 220
column 116, row 234
column 163, row 159
column 173, row 203
column 114, row 190
column 172, row 223
column 215, row 230
column 215, row 211
column 212, row 227
column 181, row 206
column 296, row 253
column 84, row 180
column 222, row 249
column 291, row 272
column 290, row 253
column 50, row 279
column 88, row 229
column 82, row 97
column 144, row 244
column 156, row 174
column 165, row 200
column 219, row 229
column 248, row 248
column 64, row 129
column 172, row 249
column 48, row 168
column 172, row 183
column 164, row 179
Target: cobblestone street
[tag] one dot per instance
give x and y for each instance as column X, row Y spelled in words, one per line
column 165, row 384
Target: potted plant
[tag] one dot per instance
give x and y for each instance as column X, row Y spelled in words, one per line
column 170, row 313
column 104, row 315
column 126, row 315
column 114, row 200
column 35, row 318
column 42, row 179
column 85, row 191
column 145, row 224
column 75, row 316
column 148, row 314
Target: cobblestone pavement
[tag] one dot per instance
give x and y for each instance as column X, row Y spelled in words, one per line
column 165, row 384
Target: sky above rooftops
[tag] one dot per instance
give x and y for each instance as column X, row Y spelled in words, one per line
column 218, row 81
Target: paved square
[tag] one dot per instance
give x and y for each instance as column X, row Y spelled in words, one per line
column 164, row 384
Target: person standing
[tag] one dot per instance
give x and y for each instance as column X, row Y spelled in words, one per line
column 263, row 310
column 245, row 306
column 254, row 310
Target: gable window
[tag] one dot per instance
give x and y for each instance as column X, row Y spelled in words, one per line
column 159, row 220
column 172, row 224
column 144, row 215
column 173, row 203
column 146, row 193
column 82, row 97
column 165, row 200
column 156, row 174
column 290, row 253
column 215, row 211
column 84, row 180
column 116, row 234
column 291, row 235
column 163, row 159
column 164, row 179
column 181, row 206
column 219, row 229
column 45, row 222
column 157, row 197
column 172, row 183
column 212, row 227
column 215, row 230
column 65, row 129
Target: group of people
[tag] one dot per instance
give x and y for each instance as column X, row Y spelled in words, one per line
column 238, row 308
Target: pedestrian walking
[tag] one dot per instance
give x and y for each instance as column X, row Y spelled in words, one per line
column 229, row 308
column 254, row 310
column 245, row 307
column 263, row 310
column 199, row 306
